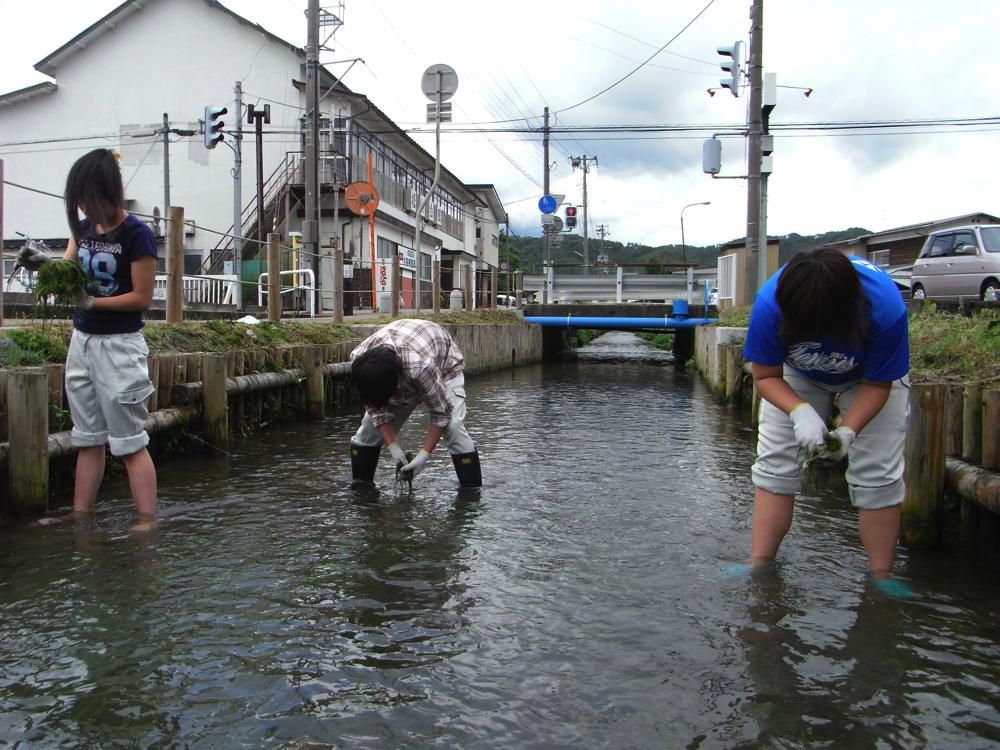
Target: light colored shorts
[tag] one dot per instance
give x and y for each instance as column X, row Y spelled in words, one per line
column 107, row 385
column 455, row 438
column 874, row 460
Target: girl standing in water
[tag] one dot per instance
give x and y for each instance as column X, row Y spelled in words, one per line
column 107, row 381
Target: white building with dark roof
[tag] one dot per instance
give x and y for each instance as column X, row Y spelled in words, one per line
column 114, row 82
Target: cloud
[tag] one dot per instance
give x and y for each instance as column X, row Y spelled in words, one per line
column 865, row 61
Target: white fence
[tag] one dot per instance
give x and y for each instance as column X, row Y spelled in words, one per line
column 310, row 287
column 206, row 290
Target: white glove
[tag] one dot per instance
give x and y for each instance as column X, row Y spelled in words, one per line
column 398, row 453
column 31, row 257
column 417, row 464
column 84, row 301
column 841, row 440
column 810, row 430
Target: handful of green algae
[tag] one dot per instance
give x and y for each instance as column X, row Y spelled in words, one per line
column 63, row 280
column 824, row 454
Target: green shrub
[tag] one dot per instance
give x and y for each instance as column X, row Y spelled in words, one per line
column 30, row 347
column 583, row 336
column 663, row 341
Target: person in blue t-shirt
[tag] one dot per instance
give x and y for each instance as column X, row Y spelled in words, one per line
column 107, row 379
column 829, row 330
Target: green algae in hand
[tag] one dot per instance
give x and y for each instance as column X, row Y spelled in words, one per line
column 406, row 476
column 825, row 453
column 63, row 280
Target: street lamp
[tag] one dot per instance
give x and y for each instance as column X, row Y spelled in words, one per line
column 687, row 282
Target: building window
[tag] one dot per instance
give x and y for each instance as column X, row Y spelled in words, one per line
column 425, row 267
column 386, row 248
column 880, row 258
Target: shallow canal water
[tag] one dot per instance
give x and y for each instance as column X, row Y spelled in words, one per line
column 580, row 600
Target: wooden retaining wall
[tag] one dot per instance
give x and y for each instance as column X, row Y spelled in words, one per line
column 214, row 396
column 952, row 450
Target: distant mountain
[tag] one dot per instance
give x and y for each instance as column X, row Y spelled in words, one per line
column 525, row 253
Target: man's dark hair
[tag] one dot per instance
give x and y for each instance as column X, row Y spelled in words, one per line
column 94, row 183
column 375, row 373
column 820, row 295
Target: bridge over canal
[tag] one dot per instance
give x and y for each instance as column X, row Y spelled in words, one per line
column 677, row 317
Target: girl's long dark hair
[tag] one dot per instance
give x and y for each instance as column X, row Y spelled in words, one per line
column 94, row 183
column 820, row 295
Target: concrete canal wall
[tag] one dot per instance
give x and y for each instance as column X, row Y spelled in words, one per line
column 488, row 348
column 212, row 396
column 952, row 448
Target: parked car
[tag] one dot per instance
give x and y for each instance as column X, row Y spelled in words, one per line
column 901, row 276
column 506, row 302
column 959, row 262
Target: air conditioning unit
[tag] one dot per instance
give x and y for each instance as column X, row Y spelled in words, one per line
column 189, row 228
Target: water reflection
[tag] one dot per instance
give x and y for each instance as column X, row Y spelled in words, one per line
column 576, row 600
column 842, row 670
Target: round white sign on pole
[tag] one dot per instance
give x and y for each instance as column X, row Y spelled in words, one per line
column 448, row 82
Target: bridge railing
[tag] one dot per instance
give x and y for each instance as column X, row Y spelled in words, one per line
column 567, row 284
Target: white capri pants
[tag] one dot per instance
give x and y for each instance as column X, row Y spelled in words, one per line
column 455, row 438
column 874, row 460
column 107, row 385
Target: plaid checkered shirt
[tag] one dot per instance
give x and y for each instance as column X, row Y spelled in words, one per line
column 430, row 359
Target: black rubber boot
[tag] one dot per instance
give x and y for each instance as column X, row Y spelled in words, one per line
column 467, row 467
column 364, row 459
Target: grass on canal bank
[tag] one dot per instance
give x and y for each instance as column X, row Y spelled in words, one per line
column 944, row 347
column 40, row 344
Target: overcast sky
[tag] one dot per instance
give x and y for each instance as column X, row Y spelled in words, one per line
column 864, row 60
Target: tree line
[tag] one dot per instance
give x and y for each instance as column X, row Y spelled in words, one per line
column 525, row 253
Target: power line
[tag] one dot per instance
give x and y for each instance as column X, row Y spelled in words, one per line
column 640, row 65
column 647, row 44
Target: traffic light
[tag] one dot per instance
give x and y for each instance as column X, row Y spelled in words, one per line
column 570, row 217
column 732, row 67
column 213, row 125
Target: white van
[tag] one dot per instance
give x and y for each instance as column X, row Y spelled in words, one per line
column 506, row 302
column 959, row 262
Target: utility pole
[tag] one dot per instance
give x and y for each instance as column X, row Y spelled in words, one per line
column 166, row 130
column 258, row 117
column 584, row 163
column 1, row 239
column 166, row 165
column 754, row 278
column 546, row 248
column 238, row 194
column 310, row 227
column 602, row 231
column 769, row 100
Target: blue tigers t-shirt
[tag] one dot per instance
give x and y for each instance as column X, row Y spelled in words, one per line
column 107, row 260
column 886, row 353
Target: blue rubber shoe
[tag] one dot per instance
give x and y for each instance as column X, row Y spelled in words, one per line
column 894, row 589
column 737, row 570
